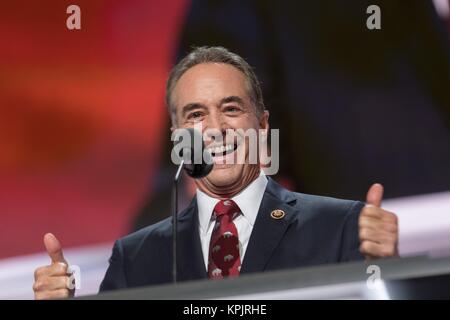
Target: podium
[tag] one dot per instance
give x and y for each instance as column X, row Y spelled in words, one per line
column 395, row 278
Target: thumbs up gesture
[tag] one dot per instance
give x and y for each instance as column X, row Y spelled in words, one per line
column 378, row 228
column 51, row 282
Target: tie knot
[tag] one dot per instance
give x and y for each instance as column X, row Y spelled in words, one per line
column 226, row 207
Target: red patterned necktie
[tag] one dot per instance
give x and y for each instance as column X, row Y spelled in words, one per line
column 224, row 259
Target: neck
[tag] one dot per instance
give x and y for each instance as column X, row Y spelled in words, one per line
column 227, row 192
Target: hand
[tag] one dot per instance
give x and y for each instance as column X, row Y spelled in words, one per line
column 378, row 228
column 51, row 282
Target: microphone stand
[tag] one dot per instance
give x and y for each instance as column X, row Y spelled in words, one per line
column 175, row 221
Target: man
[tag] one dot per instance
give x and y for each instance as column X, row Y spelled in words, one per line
column 240, row 221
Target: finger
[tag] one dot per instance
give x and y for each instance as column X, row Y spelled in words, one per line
column 378, row 214
column 375, row 195
column 368, row 235
column 377, row 236
column 389, row 217
column 53, row 247
column 370, row 249
column 56, row 269
column 55, row 294
column 370, row 222
column 372, row 211
column 375, row 250
column 51, row 283
column 377, row 224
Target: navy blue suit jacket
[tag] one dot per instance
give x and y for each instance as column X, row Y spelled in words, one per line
column 315, row 230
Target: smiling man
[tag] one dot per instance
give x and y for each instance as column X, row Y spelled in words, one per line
column 240, row 220
column 218, row 96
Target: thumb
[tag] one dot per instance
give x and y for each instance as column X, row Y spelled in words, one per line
column 53, row 247
column 375, row 195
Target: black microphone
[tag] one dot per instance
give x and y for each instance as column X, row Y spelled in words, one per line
column 198, row 163
column 189, row 153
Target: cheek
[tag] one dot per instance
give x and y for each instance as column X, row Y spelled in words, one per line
column 245, row 122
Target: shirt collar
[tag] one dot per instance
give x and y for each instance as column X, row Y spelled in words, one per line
column 248, row 201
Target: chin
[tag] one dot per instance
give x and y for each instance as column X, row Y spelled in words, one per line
column 225, row 175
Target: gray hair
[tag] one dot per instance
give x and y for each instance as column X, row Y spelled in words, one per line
column 214, row 55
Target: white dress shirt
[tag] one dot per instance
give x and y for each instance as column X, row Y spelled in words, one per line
column 248, row 200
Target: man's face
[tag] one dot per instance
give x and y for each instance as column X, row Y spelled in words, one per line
column 216, row 95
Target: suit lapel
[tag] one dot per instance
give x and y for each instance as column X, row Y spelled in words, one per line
column 267, row 231
column 190, row 257
column 266, row 235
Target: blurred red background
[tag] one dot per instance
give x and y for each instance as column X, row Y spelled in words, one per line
column 81, row 116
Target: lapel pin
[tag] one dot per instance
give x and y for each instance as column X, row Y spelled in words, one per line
column 277, row 214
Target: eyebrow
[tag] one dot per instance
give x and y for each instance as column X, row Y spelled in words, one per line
column 195, row 105
column 232, row 99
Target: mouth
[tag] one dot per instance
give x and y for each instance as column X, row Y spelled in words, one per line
column 222, row 150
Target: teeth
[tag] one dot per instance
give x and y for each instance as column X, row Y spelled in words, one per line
column 221, row 149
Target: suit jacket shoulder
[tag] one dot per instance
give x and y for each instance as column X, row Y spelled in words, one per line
column 144, row 257
column 326, row 209
column 314, row 230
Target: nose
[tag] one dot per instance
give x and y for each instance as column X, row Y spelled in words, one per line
column 214, row 126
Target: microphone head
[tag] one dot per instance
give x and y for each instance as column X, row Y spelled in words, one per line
column 198, row 162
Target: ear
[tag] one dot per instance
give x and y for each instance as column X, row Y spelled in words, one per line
column 174, row 125
column 264, row 121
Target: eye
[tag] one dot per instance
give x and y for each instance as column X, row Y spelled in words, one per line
column 194, row 115
column 231, row 109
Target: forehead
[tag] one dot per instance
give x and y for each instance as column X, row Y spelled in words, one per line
column 209, row 82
